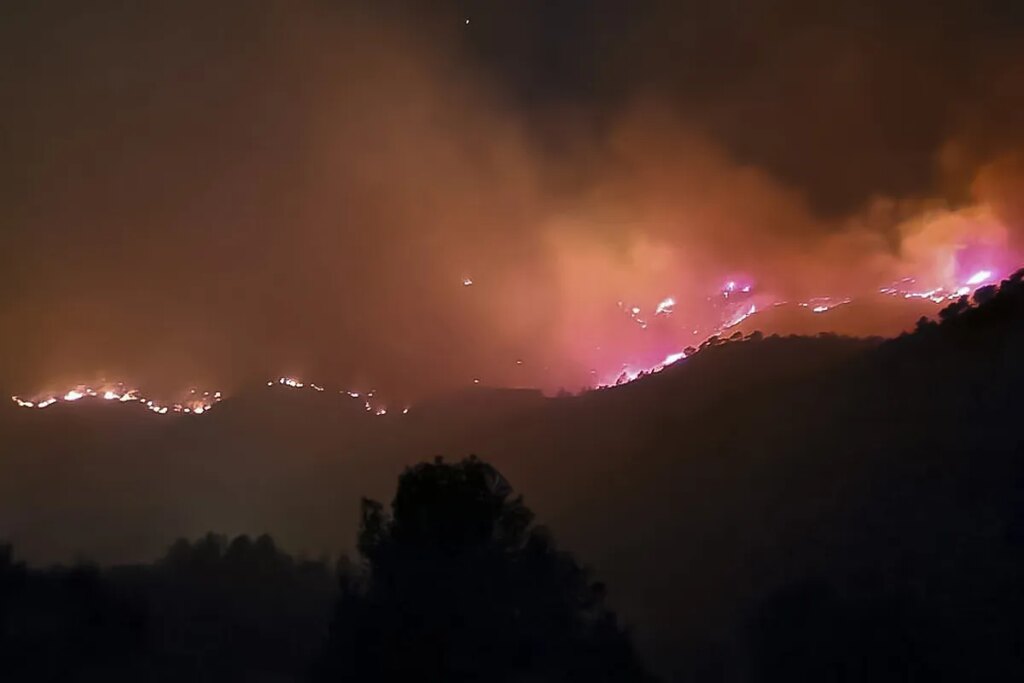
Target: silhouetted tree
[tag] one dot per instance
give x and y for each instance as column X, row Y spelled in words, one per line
column 238, row 609
column 459, row 585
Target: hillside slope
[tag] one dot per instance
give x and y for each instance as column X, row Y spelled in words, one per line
column 867, row 487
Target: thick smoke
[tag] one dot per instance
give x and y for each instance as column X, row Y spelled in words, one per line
column 214, row 195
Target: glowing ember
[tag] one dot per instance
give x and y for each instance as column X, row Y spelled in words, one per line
column 634, row 314
column 980, row 277
column 823, row 304
column 741, row 317
column 673, row 357
column 665, row 306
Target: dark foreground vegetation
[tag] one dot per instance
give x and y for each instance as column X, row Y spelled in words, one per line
column 208, row 610
column 774, row 509
column 456, row 584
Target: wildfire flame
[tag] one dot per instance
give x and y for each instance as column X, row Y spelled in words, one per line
column 117, row 393
column 377, row 409
column 665, row 306
column 981, row 277
column 735, row 304
column 738, row 308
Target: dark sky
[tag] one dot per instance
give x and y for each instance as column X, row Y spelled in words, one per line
column 217, row 192
column 843, row 100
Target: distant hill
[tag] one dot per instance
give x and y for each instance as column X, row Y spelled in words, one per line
column 713, row 496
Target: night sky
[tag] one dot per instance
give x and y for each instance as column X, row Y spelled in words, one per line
column 217, row 193
column 730, row 293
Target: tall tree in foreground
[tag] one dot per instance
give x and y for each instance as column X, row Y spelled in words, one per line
column 458, row 585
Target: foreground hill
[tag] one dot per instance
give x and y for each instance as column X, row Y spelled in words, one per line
column 767, row 494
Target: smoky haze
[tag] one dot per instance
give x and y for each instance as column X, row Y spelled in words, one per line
column 215, row 194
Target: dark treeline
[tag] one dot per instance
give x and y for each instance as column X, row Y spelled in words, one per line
column 456, row 584
column 208, row 610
